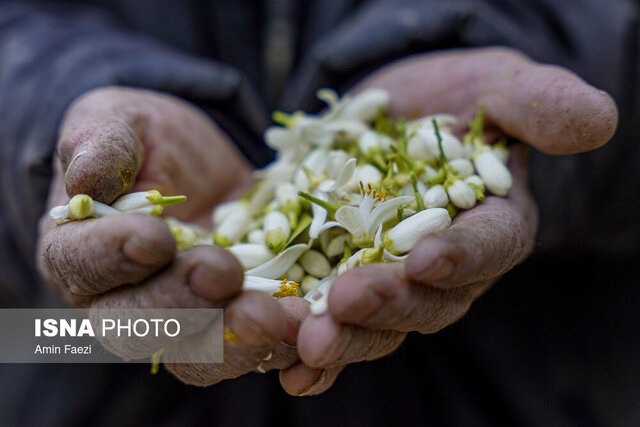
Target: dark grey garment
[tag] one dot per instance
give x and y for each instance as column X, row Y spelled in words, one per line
column 554, row 343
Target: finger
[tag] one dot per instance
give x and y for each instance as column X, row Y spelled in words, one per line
column 326, row 343
column 301, row 380
column 483, row 242
column 90, row 257
column 254, row 326
column 379, row 296
column 201, row 277
column 546, row 106
column 99, row 145
column 285, row 354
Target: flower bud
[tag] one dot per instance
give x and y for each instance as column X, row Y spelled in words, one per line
column 336, row 162
column 186, row 235
column 365, row 174
column 462, row 166
column 366, row 105
column 429, row 173
column 308, row 283
column 226, row 209
column 477, row 185
column 256, row 236
column 418, row 149
column 315, row 263
column 146, row 201
column 233, row 227
column 461, row 195
column 436, row 197
column 251, row 254
column 451, row 145
column 81, row 206
column 403, row 237
column 60, row 213
column 277, row 230
column 494, row 174
column 295, row 273
column 336, row 246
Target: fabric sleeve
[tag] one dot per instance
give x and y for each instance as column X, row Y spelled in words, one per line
column 51, row 54
column 583, row 208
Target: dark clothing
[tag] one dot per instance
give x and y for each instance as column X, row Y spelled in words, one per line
column 554, row 343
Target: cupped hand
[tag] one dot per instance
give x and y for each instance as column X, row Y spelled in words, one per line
column 115, row 140
column 371, row 308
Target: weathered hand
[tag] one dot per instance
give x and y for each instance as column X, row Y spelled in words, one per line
column 113, row 140
column 371, row 308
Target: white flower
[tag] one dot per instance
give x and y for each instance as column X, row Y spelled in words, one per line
column 308, row 283
column 187, row 235
column 225, row 209
column 366, row 175
column 279, row 265
column 404, row 236
column 366, row 105
column 494, row 173
column 295, row 273
column 436, row 197
column 315, row 263
column 461, row 194
column 233, row 227
column 426, row 140
column 82, row 206
column 256, row 236
column 315, row 164
column 277, row 288
column 277, row 230
column 319, row 214
column 336, row 245
column 345, row 175
column 363, row 221
column 251, row 254
column 146, row 201
column 462, row 166
column 444, row 121
column 318, row 296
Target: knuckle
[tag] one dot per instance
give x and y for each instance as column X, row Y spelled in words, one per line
column 444, row 307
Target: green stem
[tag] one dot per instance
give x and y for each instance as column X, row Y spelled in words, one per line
column 330, row 207
column 414, row 184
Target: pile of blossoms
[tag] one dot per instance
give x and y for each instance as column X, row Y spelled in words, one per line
column 348, row 187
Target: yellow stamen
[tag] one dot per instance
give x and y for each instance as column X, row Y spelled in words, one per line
column 288, row 289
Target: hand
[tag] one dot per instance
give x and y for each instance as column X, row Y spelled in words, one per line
column 371, row 308
column 113, row 140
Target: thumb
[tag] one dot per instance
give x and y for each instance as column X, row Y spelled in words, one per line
column 99, row 145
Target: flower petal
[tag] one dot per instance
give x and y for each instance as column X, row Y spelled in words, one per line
column 278, row 266
column 350, row 219
column 384, row 212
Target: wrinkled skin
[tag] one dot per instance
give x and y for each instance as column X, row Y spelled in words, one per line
column 112, row 135
column 116, row 139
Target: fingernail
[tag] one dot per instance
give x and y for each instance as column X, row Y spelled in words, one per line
column 293, row 326
column 322, row 378
column 144, row 253
column 366, row 307
column 440, row 270
column 211, row 284
column 248, row 331
column 336, row 351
